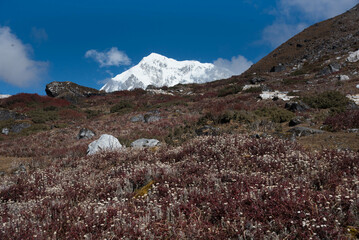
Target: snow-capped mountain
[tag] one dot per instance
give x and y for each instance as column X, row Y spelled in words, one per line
column 158, row 70
column 4, row 96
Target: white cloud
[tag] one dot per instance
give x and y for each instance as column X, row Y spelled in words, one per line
column 16, row 66
column 39, row 34
column 278, row 32
column 317, row 9
column 112, row 57
column 292, row 16
column 236, row 65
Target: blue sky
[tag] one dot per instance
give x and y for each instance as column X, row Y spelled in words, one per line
column 87, row 41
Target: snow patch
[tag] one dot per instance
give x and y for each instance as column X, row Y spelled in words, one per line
column 276, row 94
column 4, row 96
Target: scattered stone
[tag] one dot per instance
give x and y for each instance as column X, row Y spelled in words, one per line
column 296, row 121
column 207, row 131
column 257, row 80
column 344, row 78
column 137, row 118
column 19, row 127
column 279, row 68
column 5, row 131
column 86, row 134
column 104, row 143
column 296, row 106
column 353, row 57
column 354, row 98
column 144, row 142
column 304, row 131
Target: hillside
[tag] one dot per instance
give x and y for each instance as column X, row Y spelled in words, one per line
column 264, row 155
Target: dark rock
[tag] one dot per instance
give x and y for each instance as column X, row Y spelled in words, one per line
column 304, row 131
column 296, row 121
column 85, row 134
column 256, row 80
column 8, row 115
column 2, row 173
column 5, row 131
column 70, row 91
column 19, row 127
column 279, row 68
column 137, row 118
column 296, row 106
column 207, row 131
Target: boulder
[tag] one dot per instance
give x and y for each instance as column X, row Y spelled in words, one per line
column 70, row 91
column 304, row 131
column 19, row 127
column 296, row 106
column 296, row 121
column 104, row 143
column 85, row 133
column 256, row 80
column 279, row 68
column 5, row 131
column 353, row 57
column 343, row 78
column 331, row 68
column 207, row 131
column 144, row 142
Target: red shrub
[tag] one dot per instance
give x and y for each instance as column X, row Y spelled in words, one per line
column 343, row 121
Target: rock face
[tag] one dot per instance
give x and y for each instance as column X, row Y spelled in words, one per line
column 296, row 106
column 7, row 115
column 304, row 131
column 85, row 134
column 144, row 142
column 104, row 143
column 19, row 127
column 69, row 91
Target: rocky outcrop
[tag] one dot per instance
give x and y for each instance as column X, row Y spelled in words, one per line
column 9, row 115
column 144, row 142
column 70, row 91
column 296, row 106
column 304, row 131
column 104, row 143
column 16, row 128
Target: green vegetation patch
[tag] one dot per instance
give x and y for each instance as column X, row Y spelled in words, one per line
column 229, row 90
column 330, row 99
column 122, row 107
column 275, row 114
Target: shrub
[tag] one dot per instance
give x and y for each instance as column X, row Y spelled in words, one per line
column 71, row 114
column 343, row 121
column 275, row 114
column 122, row 107
column 229, row 90
column 328, row 99
column 41, row 116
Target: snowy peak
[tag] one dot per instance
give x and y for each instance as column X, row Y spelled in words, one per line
column 158, row 70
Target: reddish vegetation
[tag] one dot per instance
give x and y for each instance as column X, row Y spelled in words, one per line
column 343, row 121
column 211, row 188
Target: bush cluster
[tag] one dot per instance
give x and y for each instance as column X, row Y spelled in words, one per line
column 329, row 99
column 229, row 90
column 275, row 114
column 122, row 107
column 343, row 121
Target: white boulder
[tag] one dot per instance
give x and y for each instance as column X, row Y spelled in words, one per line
column 344, row 78
column 354, row 98
column 353, row 57
column 104, row 143
column 144, row 142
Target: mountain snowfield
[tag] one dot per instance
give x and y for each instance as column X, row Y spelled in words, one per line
column 158, row 70
column 4, row 96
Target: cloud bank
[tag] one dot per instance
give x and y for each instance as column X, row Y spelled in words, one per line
column 16, row 65
column 112, row 57
column 293, row 16
column 236, row 65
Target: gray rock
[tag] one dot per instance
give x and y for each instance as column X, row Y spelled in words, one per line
column 207, row 131
column 296, row 121
column 8, row 115
column 5, row 131
column 151, row 118
column 104, row 143
column 331, row 68
column 144, row 142
column 137, row 118
column 19, row 127
column 257, row 80
column 279, row 68
column 353, row 130
column 296, row 106
column 86, row 134
column 304, row 131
